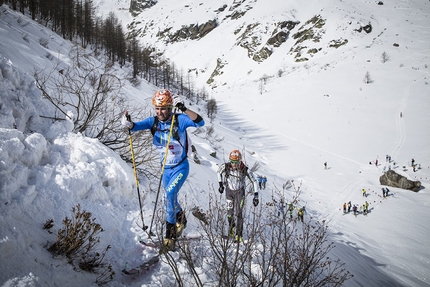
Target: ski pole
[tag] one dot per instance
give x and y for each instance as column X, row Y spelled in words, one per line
column 162, row 171
column 144, row 227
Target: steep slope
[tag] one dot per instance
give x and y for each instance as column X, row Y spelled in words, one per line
column 306, row 113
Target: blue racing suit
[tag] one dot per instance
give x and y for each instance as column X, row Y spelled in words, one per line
column 177, row 167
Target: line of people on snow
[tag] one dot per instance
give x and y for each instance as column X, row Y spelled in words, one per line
column 347, row 207
column 355, row 208
column 389, row 160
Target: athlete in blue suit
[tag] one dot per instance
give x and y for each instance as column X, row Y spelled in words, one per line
column 176, row 167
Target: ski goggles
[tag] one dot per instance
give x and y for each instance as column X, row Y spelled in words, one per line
column 234, row 161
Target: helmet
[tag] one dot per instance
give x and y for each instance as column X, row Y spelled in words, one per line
column 235, row 156
column 162, row 98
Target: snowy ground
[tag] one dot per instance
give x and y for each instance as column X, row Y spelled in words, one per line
column 315, row 113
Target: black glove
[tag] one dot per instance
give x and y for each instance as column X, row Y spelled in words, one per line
column 178, row 103
column 181, row 106
column 221, row 187
column 255, row 201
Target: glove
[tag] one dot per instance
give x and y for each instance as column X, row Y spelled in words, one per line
column 255, row 201
column 178, row 103
column 128, row 125
column 221, row 187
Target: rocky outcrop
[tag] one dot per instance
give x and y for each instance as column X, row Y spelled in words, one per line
column 367, row 28
column 311, row 31
column 248, row 38
column 193, row 31
column 137, row 6
column 391, row 178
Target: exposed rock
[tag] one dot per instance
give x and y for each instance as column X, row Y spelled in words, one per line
column 278, row 39
column 337, row 43
column 249, row 40
column 193, row 31
column 391, row 178
column 312, row 30
column 221, row 9
column 367, row 28
column 236, row 3
column 237, row 14
column 217, row 71
column 137, row 6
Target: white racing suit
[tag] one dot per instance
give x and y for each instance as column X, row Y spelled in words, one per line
column 234, row 182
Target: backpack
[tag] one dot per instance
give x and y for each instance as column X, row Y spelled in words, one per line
column 175, row 133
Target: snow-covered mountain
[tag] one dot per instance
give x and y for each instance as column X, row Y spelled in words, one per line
column 288, row 78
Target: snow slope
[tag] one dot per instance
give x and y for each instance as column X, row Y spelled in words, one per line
column 318, row 111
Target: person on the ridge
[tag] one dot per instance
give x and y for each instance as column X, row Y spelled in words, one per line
column 301, row 213
column 354, row 208
column 344, row 207
column 291, row 209
column 349, row 206
column 281, row 207
column 264, row 182
column 364, row 209
column 232, row 176
column 260, row 181
column 176, row 166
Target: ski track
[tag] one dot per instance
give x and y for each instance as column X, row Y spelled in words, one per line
column 400, row 125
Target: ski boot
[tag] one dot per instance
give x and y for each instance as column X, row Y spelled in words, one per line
column 231, row 227
column 181, row 223
column 169, row 240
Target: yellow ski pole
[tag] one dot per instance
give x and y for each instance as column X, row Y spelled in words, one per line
column 144, row 227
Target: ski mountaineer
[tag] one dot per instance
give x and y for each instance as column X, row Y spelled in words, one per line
column 176, row 167
column 232, row 176
column 260, row 181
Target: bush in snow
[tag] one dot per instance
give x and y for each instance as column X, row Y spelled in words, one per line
column 78, row 240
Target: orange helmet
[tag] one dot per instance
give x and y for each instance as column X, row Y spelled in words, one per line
column 162, row 98
column 235, row 156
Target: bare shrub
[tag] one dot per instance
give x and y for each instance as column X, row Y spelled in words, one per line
column 92, row 98
column 78, row 241
column 367, row 78
column 277, row 251
column 384, row 57
column 212, row 108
